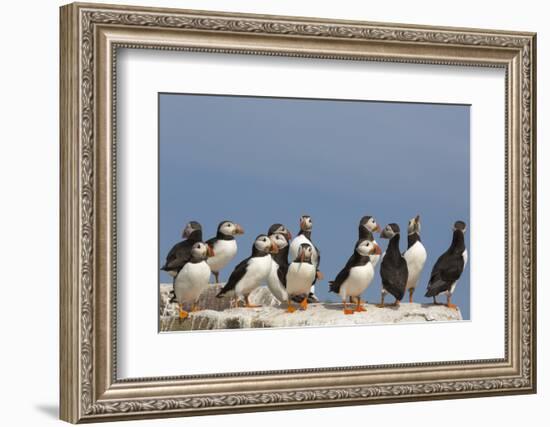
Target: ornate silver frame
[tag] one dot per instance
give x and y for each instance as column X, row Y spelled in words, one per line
column 90, row 36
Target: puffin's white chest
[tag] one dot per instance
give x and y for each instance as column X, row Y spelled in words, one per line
column 374, row 259
column 299, row 278
column 416, row 258
column 358, row 281
column 295, row 247
column 224, row 252
column 191, row 281
column 257, row 270
column 275, row 285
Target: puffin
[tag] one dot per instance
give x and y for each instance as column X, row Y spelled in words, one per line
column 192, row 279
column 224, row 246
column 367, row 226
column 449, row 266
column 252, row 271
column 300, row 276
column 357, row 275
column 415, row 255
column 276, row 280
column 181, row 251
column 279, row 229
column 304, row 236
column 393, row 268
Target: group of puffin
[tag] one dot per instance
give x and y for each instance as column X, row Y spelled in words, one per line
column 192, row 261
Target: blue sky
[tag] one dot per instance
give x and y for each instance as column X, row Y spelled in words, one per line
column 258, row 161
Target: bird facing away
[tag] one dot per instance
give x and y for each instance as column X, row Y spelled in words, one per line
column 449, row 266
column 415, row 255
column 393, row 268
column 192, row 279
column 224, row 246
column 279, row 229
column 252, row 271
column 357, row 274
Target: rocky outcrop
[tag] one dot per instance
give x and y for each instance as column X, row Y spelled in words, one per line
column 220, row 315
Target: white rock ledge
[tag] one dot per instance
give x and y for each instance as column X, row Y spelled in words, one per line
column 219, row 315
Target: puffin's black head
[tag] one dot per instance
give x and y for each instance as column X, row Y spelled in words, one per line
column 200, row 251
column 279, row 229
column 190, row 228
column 369, row 222
column 460, row 225
column 229, row 228
column 366, row 247
column 390, row 230
column 305, row 252
column 414, row 225
column 265, row 245
column 279, row 239
column 306, row 223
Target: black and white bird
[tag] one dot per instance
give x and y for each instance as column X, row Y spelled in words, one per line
column 193, row 278
column 357, row 275
column 300, row 275
column 180, row 253
column 304, row 236
column 224, row 246
column 276, row 280
column 279, row 229
column 251, row 272
column 367, row 226
column 449, row 266
column 393, row 268
column 415, row 255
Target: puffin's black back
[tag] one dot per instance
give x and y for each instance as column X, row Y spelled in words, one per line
column 394, row 270
column 180, row 253
column 356, row 260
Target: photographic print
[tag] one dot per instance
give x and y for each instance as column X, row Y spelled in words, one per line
column 293, row 212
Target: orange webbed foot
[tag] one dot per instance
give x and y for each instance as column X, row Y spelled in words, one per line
column 360, row 308
column 290, row 309
column 452, row 306
column 303, row 304
column 183, row 314
column 348, row 311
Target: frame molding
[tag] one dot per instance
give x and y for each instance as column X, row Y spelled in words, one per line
column 90, row 37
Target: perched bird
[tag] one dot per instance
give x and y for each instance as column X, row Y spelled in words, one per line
column 357, row 275
column 367, row 226
column 181, row 252
column 301, row 274
column 251, row 272
column 276, row 280
column 192, row 279
column 393, row 267
column 279, row 229
column 449, row 266
column 304, row 236
column 224, row 246
column 415, row 255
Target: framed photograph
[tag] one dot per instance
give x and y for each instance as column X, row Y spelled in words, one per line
column 266, row 213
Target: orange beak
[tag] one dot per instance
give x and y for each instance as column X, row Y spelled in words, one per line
column 210, row 251
column 274, row 248
column 377, row 250
column 302, row 256
column 289, row 235
column 239, row 229
column 378, row 229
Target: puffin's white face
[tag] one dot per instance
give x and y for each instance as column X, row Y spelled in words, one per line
column 414, row 225
column 280, row 240
column 283, row 230
column 305, row 252
column 265, row 244
column 230, row 228
column 387, row 232
column 200, row 251
column 366, row 248
column 372, row 225
column 306, row 223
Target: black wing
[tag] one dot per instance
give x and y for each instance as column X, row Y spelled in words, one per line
column 211, row 242
column 178, row 256
column 281, row 274
column 237, row 274
column 445, row 272
column 336, row 284
column 394, row 276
